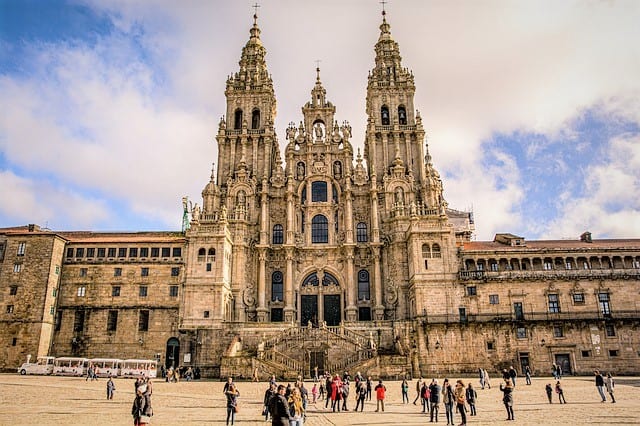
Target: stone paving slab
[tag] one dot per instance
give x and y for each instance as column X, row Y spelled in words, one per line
column 46, row 400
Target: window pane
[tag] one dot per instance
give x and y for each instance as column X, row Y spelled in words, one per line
column 319, row 192
column 319, row 229
column 278, row 235
column 361, row 232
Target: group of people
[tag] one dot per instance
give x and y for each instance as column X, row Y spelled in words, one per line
column 141, row 409
column 285, row 405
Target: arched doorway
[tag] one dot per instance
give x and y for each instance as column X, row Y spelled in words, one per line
column 173, row 353
column 320, row 300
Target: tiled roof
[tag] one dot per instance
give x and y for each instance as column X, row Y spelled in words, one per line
column 538, row 245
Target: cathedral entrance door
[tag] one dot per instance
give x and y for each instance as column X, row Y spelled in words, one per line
column 172, row 358
column 332, row 309
column 309, row 311
column 316, row 359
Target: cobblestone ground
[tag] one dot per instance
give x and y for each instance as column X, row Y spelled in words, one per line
column 37, row 400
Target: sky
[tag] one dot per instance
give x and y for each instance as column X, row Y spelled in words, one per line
column 109, row 108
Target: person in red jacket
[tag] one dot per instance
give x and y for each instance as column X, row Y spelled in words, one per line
column 380, row 391
column 336, row 393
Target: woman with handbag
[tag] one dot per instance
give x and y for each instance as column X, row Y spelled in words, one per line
column 139, row 408
column 232, row 395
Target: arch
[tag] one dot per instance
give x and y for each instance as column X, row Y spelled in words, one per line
column 172, row 357
column 319, row 229
column 384, row 115
column 278, row 234
column 202, row 252
column 426, row 251
column 364, row 286
column 435, row 250
column 361, row 232
column 327, row 279
column 237, row 119
column 277, row 286
column 255, row 119
column 402, row 115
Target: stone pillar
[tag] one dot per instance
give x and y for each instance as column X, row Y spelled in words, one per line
column 377, row 285
column 262, row 307
column 289, row 309
column 352, row 309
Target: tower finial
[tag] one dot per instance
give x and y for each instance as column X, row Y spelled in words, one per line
column 383, row 2
column 255, row 13
column 317, row 61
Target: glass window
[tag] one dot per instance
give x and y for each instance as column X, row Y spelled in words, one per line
column 82, row 291
column 112, row 321
column 319, row 229
column 521, row 333
column 133, row 252
column 9, row 309
column 361, row 232
column 426, row 251
column 205, row 314
column 319, row 192
column 122, row 252
column 83, row 272
column 578, row 298
column 13, row 290
column 494, row 299
column 277, row 286
column 278, row 234
column 554, row 303
column 17, row 267
column 208, row 267
column 70, row 252
column 143, row 321
column 547, row 266
column 80, row 252
column 78, row 321
column 472, row 290
column 115, row 291
column 91, row 252
column 101, row 251
column 610, row 330
column 166, row 251
column 143, row 291
column 202, row 252
column 211, row 255
column 435, row 250
column 177, row 252
column 144, row 272
column 173, row 290
column 603, row 300
column 155, row 252
column 144, row 252
column 364, row 287
column 111, row 252
column 494, row 267
column 558, row 331
column 117, row 272
column 175, row 271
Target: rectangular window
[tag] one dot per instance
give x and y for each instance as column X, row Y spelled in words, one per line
column 471, row 290
column 13, row 290
column 518, row 312
column 52, row 309
column 83, row 272
column 494, row 267
column 567, row 265
column 117, row 272
column 491, row 346
column 586, row 354
column 613, row 353
column 175, row 271
column 480, row 267
column 610, row 330
column 494, row 299
column 554, row 303
column 603, row 300
column 143, row 321
column 17, row 267
column 111, row 252
column 173, row 291
column 82, row 290
column 463, row 314
column 319, row 192
column 144, row 252
column 21, row 248
column 155, row 252
column 9, row 309
column 78, row 321
column 133, row 252
column 91, row 252
column 112, row 321
column 166, row 251
column 14, row 341
column 547, row 266
column 122, row 252
column 558, row 331
column 578, row 298
column 101, row 251
column 208, row 267
column 144, row 272
column 70, row 252
column 206, row 314
column 115, row 291
column 80, row 252
column 57, row 269
column 521, row 333
column 426, row 264
column 54, row 293
column 635, row 264
column 143, row 291
column 177, row 252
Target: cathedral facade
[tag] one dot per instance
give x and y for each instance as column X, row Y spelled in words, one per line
column 319, row 256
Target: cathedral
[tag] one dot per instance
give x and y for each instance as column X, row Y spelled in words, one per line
column 312, row 255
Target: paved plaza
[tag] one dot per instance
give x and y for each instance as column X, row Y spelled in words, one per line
column 43, row 400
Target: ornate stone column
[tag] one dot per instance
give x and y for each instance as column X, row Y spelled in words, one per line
column 378, row 310
column 262, row 267
column 289, row 309
column 352, row 309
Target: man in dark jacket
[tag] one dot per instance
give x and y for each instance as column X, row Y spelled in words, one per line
column 434, row 399
column 279, row 408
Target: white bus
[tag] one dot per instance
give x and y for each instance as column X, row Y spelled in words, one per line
column 106, row 367
column 70, row 366
column 138, row 367
column 43, row 365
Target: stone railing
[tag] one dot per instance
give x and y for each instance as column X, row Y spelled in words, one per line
column 273, row 355
column 344, row 363
column 529, row 316
column 550, row 274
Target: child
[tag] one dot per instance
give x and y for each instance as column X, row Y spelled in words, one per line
column 560, row 393
column 549, row 391
column 314, row 392
column 111, row 387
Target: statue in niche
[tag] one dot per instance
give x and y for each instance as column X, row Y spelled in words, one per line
column 241, row 198
column 319, row 132
column 337, row 169
column 195, row 212
column 399, row 196
column 300, row 171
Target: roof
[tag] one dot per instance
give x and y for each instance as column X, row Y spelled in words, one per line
column 538, row 245
column 98, row 237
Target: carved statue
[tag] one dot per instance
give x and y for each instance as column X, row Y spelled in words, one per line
column 195, row 212
column 318, row 131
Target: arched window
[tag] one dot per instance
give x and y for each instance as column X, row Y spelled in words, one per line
column 319, row 192
column 255, row 119
column 278, row 237
column 212, row 255
column 364, row 292
column 361, row 232
column 384, row 115
column 435, row 250
column 277, row 286
column 237, row 119
column 426, row 254
column 319, row 229
column 402, row 115
column 313, row 280
column 201, row 254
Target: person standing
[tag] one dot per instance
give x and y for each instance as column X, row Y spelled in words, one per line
column 268, row 394
column 279, row 408
column 459, row 393
column 424, row 397
column 315, row 374
column 608, row 382
column 232, row 395
column 314, row 392
column 111, row 388
column 296, row 408
column 329, row 386
column 448, row 399
column 345, row 395
column 369, row 388
column 600, row 385
column 434, row 399
column 512, row 375
column 527, row 374
column 549, row 390
column 361, row 394
column 138, row 409
column 380, row 395
column 560, row 393
column 507, row 398
column 336, row 393
column 404, row 388
column 471, row 395
column 554, row 371
column 227, row 385
column 481, row 374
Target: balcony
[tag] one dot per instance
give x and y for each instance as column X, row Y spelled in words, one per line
column 528, row 317
column 550, row 274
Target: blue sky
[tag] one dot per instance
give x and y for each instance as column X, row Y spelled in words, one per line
column 532, row 108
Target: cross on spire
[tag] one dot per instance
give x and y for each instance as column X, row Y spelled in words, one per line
column 255, row 13
column 317, row 61
column 383, row 2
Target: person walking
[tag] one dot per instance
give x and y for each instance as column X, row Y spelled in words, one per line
column 139, row 408
column 268, row 394
column 314, row 392
column 481, row 374
column 600, row 385
column 512, row 375
column 460, row 394
column 418, row 387
column 111, row 388
column 487, row 381
column 380, row 395
column 560, row 393
column 448, row 399
column 345, row 395
column 404, row 388
column 329, row 387
column 471, row 395
column 507, row 398
column 369, row 388
column 424, row 397
column 336, row 393
column 296, row 408
column 279, row 408
column 527, row 374
column 361, row 394
column 434, row 399
column 232, row 395
column 549, row 390
column 608, row 382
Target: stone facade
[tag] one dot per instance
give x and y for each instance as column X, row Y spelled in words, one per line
column 322, row 256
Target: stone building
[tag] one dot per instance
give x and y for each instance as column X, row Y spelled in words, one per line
column 322, row 256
